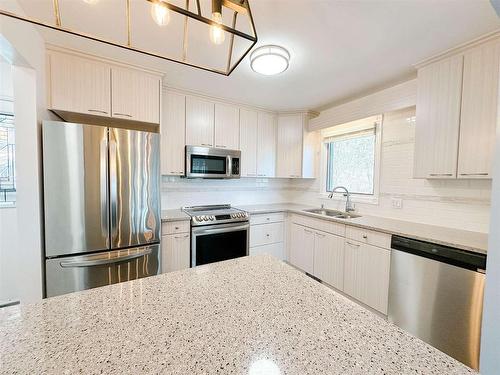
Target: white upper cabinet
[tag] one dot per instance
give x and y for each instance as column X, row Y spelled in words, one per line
column 248, row 143
column 266, row 144
column 199, row 122
column 227, row 128
column 173, row 133
column 457, row 113
column 479, row 111
column 438, row 118
column 79, row 85
column 135, row 95
column 289, row 146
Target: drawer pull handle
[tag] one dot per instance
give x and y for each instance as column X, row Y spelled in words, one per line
column 176, row 228
column 180, row 237
column 352, row 244
column 440, row 174
column 121, row 114
column 220, row 146
column 206, row 144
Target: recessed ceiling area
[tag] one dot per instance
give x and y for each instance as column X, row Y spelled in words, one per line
column 338, row 49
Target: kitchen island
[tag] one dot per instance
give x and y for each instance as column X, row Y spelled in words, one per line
column 252, row 315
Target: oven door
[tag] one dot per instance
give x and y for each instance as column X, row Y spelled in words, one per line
column 214, row 243
column 205, row 162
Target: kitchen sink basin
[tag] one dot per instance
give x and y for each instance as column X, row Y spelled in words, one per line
column 332, row 213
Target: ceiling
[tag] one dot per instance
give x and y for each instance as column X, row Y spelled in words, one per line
column 339, row 49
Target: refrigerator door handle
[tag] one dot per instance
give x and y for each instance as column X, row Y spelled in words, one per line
column 113, row 187
column 101, row 262
column 103, row 161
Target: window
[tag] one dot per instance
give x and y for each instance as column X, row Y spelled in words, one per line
column 351, row 157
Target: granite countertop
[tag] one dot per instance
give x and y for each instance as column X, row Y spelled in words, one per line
column 462, row 239
column 252, row 315
column 174, row 215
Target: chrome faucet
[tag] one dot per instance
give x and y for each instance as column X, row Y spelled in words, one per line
column 349, row 206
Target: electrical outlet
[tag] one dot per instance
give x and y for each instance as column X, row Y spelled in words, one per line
column 397, row 203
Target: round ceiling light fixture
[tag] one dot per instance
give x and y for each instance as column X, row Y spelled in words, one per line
column 269, row 60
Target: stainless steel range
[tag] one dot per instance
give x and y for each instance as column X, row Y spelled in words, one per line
column 218, row 232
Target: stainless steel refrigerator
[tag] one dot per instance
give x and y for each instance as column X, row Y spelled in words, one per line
column 101, row 205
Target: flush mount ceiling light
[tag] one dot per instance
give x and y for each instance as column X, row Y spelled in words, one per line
column 269, row 60
column 219, row 33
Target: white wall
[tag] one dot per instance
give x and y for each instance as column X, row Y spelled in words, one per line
column 22, row 45
column 178, row 192
column 463, row 204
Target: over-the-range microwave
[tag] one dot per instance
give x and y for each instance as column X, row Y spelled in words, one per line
column 210, row 162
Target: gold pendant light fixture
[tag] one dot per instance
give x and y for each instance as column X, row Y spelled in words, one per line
column 213, row 35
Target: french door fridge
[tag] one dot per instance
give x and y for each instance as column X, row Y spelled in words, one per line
column 101, row 205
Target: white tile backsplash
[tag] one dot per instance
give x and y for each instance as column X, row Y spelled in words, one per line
column 463, row 204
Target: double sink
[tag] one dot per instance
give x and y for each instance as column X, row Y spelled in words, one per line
column 332, row 213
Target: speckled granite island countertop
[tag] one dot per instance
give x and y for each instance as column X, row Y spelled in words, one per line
column 253, row 315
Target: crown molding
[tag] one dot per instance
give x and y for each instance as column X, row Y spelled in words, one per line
column 459, row 48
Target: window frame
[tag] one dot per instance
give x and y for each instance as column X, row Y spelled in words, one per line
column 344, row 129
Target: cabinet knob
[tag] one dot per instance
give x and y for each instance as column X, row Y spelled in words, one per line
column 365, row 236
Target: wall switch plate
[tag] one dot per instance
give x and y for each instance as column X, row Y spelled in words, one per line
column 397, row 203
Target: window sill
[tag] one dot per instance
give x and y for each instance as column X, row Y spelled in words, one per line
column 354, row 198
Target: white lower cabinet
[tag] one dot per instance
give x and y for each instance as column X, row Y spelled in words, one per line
column 267, row 232
column 275, row 249
column 366, row 274
column 357, row 264
column 329, row 259
column 175, row 246
column 302, row 247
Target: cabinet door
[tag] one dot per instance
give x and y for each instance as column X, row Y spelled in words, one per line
column 248, row 143
column 199, row 122
column 175, row 252
column 438, row 119
column 274, row 249
column 79, row 85
column 266, row 145
column 227, row 126
column 329, row 259
column 173, row 134
column 479, row 111
column 302, row 248
column 135, row 95
column 366, row 274
column 289, row 146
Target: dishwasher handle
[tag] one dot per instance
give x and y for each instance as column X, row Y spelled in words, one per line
column 445, row 254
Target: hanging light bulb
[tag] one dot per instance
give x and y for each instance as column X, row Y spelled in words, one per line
column 160, row 13
column 91, row 2
column 216, row 33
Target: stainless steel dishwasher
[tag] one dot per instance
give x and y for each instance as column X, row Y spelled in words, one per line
column 436, row 294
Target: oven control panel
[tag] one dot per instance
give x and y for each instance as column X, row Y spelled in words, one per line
column 219, row 219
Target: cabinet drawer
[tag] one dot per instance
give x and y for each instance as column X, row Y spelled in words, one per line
column 267, row 218
column 266, row 234
column 274, row 249
column 319, row 224
column 173, row 227
column 369, row 237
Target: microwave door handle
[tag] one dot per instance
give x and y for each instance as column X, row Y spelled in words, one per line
column 229, row 171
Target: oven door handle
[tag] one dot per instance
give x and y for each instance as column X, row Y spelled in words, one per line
column 198, row 232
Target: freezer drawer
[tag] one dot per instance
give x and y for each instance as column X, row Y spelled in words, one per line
column 71, row 274
column 436, row 294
